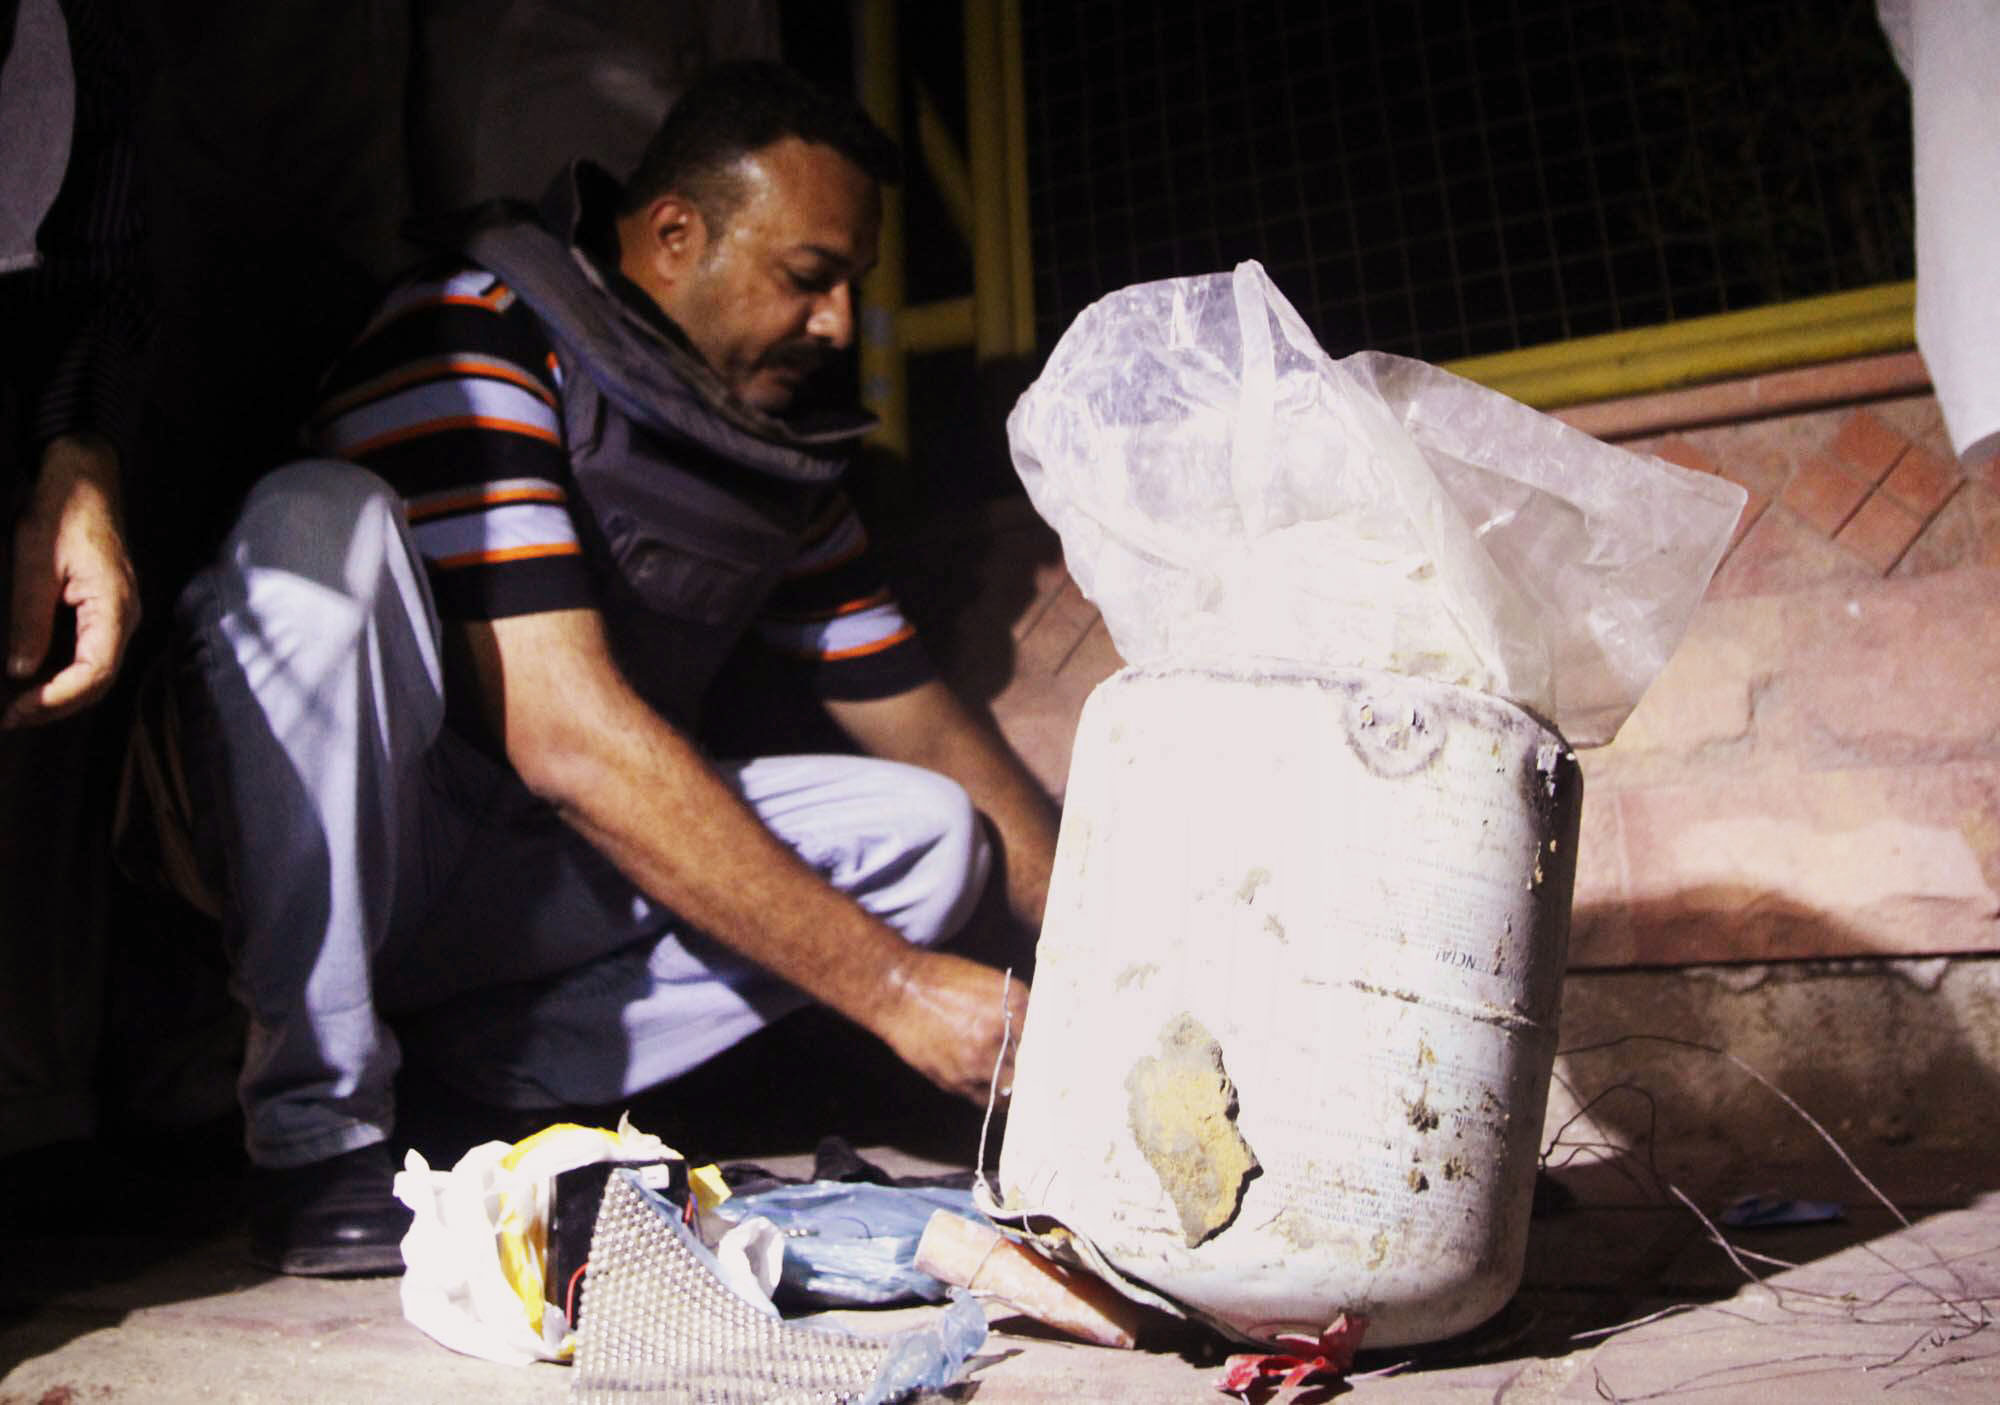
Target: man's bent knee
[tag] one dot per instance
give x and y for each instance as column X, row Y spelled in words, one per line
column 330, row 522
column 955, row 861
column 904, row 842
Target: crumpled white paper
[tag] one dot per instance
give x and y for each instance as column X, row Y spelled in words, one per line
column 751, row 1255
column 474, row 1256
column 1230, row 496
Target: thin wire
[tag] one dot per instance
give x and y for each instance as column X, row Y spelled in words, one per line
column 1838, row 1150
column 1721, row 1241
column 1620, row 1156
column 1616, row 1328
column 1780, row 1093
column 993, row 1083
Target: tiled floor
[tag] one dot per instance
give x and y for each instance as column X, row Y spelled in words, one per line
column 1871, row 480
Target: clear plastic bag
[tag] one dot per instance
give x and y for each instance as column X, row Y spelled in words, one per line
column 932, row 1356
column 1230, row 496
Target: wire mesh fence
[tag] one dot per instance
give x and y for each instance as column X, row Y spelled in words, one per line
column 1446, row 178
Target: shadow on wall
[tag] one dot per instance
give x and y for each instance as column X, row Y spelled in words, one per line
column 973, row 589
column 1749, row 921
column 1681, row 1069
column 963, row 545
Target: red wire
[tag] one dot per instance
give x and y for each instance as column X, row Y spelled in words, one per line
column 569, row 1295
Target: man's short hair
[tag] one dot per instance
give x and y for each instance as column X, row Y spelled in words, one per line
column 736, row 108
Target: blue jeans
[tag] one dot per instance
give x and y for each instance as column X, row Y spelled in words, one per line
column 378, row 869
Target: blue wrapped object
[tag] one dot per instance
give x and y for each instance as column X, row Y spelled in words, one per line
column 932, row 1356
column 852, row 1244
column 1762, row 1211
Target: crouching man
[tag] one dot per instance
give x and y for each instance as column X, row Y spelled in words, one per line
column 436, row 696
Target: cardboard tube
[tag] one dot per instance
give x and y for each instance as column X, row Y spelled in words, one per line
column 987, row 1264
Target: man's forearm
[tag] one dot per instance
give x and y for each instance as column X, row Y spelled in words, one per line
column 635, row 780
column 644, row 796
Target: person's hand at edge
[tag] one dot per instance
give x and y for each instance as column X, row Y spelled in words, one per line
column 947, row 1021
column 69, row 549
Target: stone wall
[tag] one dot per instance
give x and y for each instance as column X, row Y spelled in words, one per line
column 1817, row 772
column 1698, row 1062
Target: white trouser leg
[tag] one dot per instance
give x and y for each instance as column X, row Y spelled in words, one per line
column 313, row 691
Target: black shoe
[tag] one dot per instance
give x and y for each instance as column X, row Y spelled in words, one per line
column 329, row 1219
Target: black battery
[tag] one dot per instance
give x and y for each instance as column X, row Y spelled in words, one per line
column 574, row 1198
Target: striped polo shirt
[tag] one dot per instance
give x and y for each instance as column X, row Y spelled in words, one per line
column 453, row 395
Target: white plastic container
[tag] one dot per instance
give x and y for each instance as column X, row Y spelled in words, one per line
column 1295, row 1005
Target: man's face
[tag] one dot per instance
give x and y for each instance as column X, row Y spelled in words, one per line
column 770, row 296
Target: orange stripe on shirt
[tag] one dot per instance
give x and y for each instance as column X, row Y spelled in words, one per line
column 511, row 553
column 833, row 612
column 432, row 368
column 855, row 607
column 450, row 422
column 495, row 299
column 438, row 506
column 861, row 650
column 498, row 298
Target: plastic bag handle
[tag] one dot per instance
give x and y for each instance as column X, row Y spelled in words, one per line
column 1256, row 406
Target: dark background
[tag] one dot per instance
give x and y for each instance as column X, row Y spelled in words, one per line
column 1438, row 178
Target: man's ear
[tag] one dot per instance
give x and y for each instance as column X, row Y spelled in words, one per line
column 677, row 235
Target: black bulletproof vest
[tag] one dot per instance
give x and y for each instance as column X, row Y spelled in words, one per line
column 694, row 514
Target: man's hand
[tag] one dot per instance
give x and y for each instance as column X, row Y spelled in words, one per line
column 642, row 794
column 69, row 550
column 948, row 1021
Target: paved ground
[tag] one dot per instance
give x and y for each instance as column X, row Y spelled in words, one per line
column 1871, row 1308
